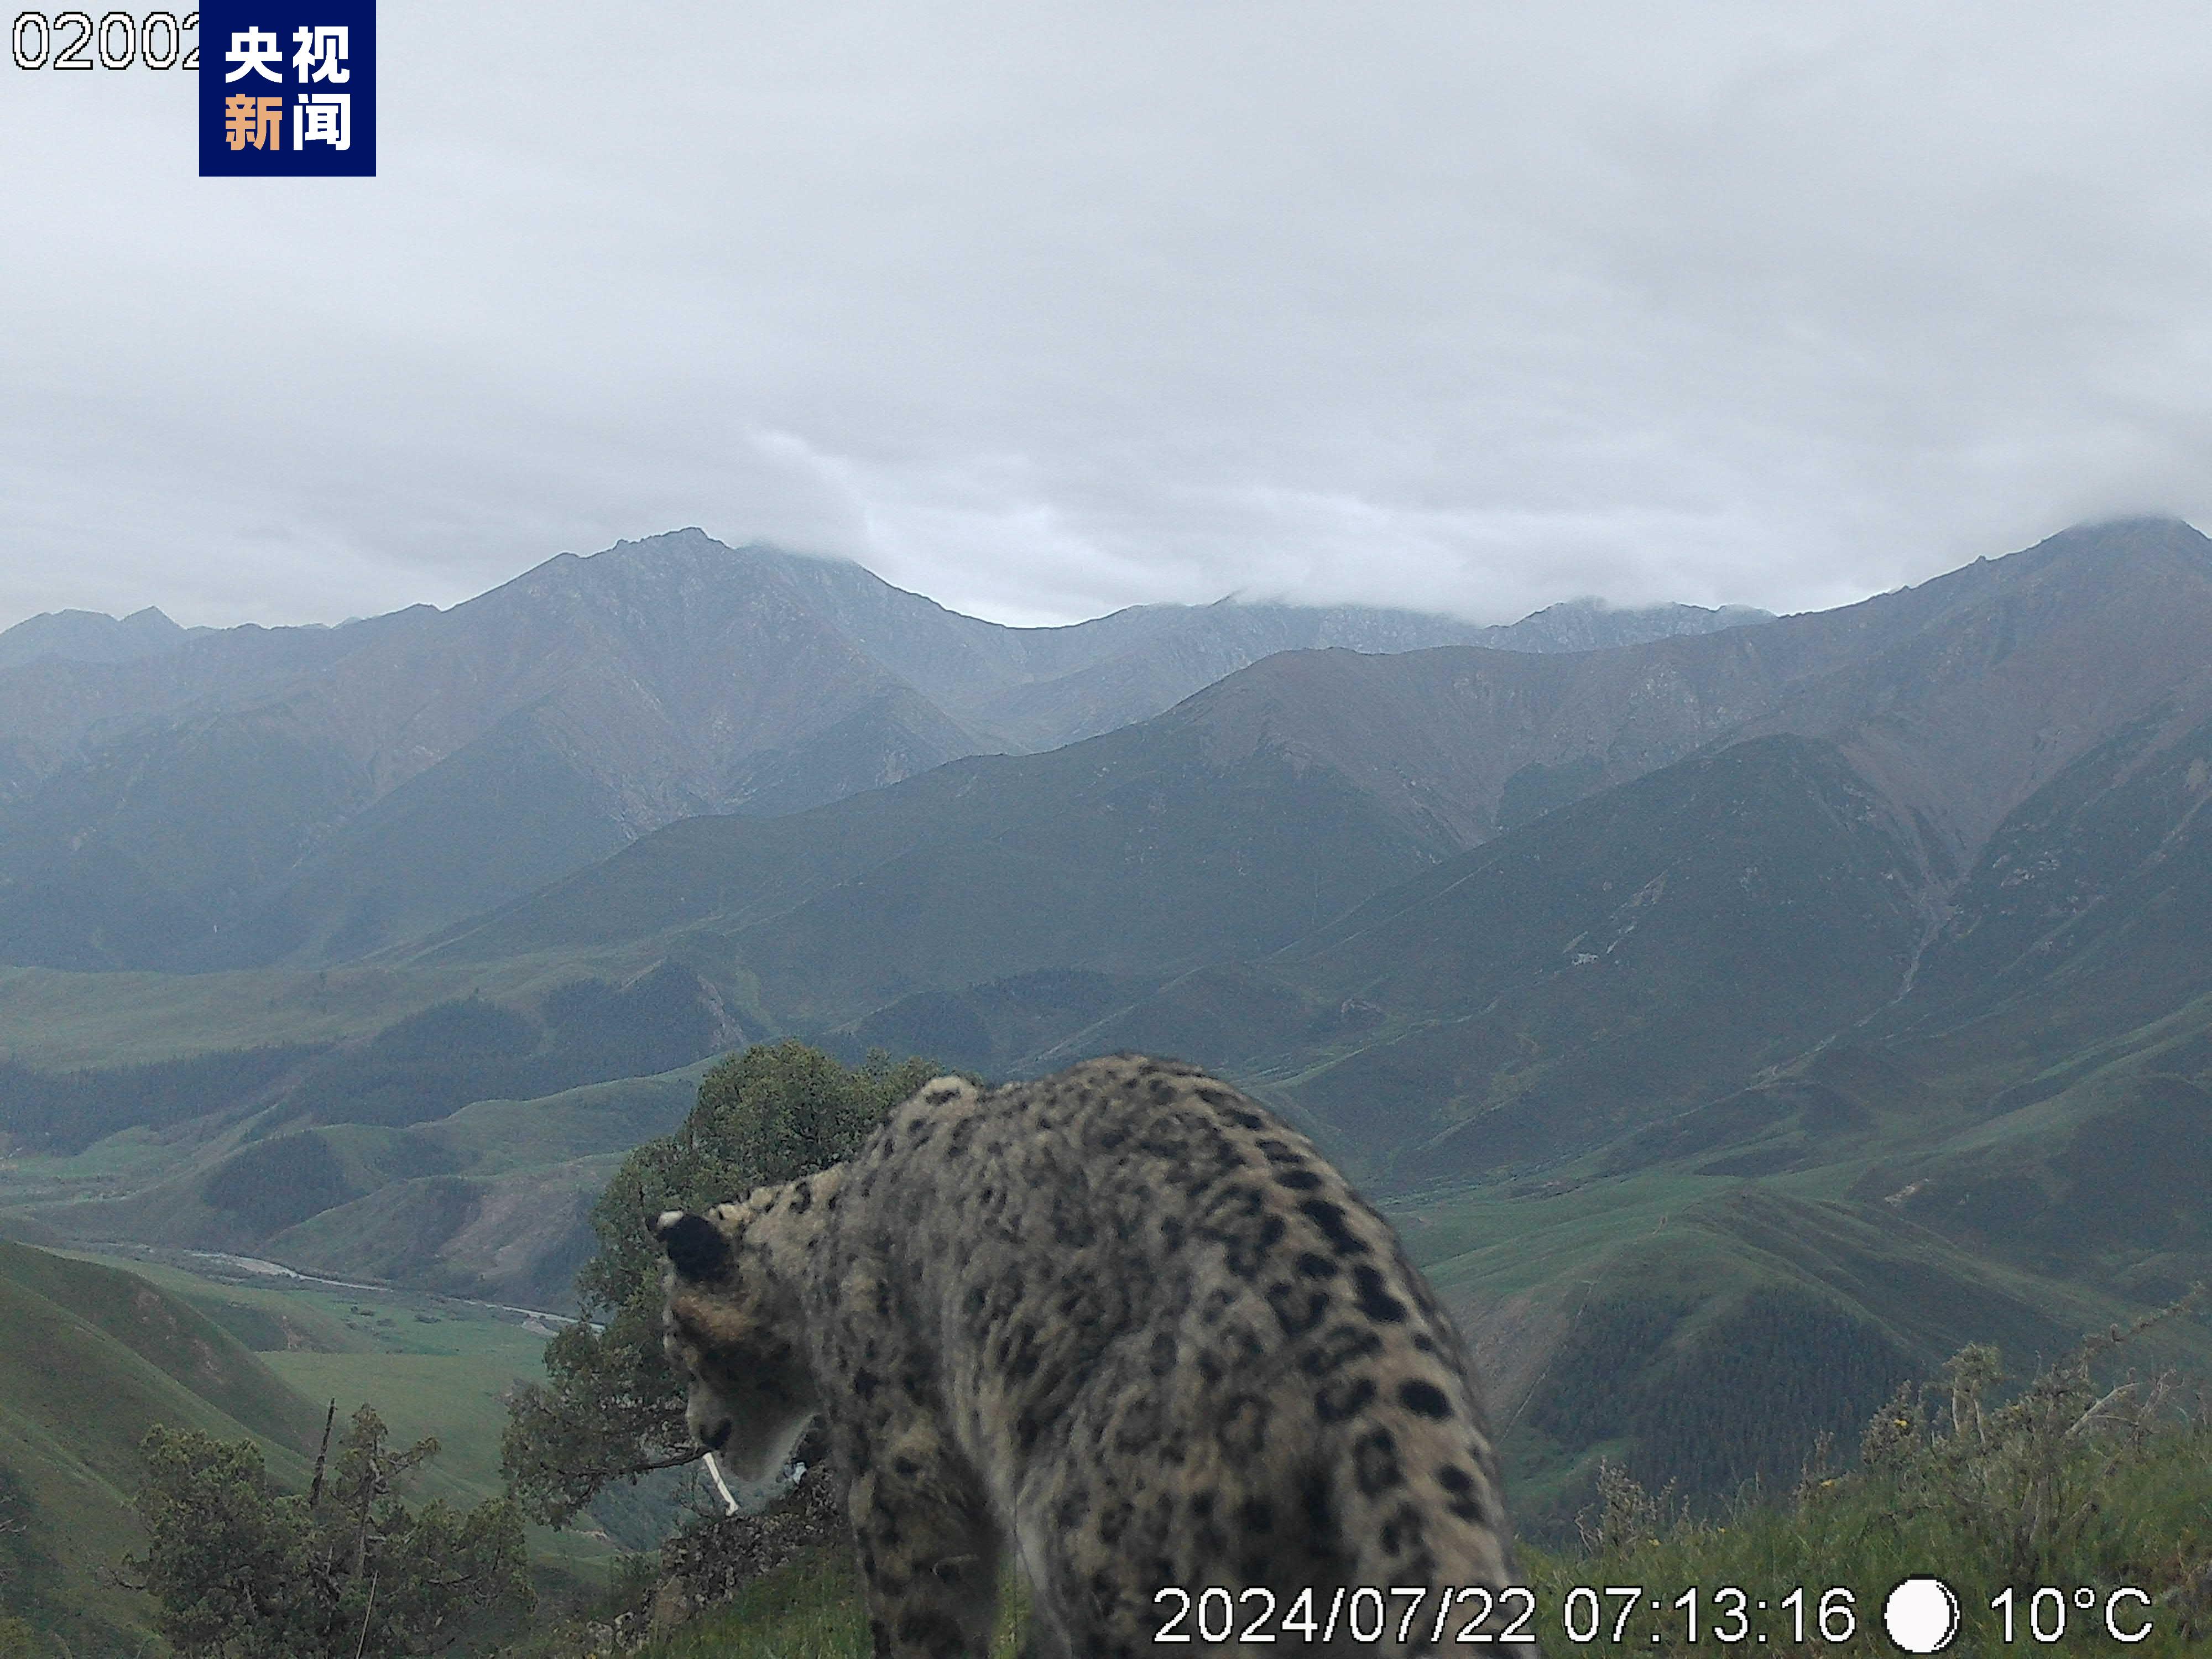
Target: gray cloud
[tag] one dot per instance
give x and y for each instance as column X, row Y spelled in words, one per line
column 1047, row 309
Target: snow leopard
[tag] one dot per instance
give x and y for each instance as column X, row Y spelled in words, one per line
column 1126, row 1325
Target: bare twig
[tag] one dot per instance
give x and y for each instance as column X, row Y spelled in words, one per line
column 365, row 1613
column 675, row 1461
column 315, row 1492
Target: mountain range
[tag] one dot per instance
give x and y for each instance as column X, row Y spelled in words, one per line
column 1249, row 819
column 1736, row 1018
column 189, row 800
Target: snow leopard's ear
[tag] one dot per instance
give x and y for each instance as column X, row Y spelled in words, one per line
column 694, row 1245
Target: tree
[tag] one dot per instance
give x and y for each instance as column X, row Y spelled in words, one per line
column 243, row 1571
column 613, row 1410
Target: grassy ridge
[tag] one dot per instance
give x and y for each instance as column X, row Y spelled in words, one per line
column 2134, row 1529
column 2080, row 1508
column 93, row 1357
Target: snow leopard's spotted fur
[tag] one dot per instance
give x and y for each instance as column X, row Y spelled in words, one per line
column 1121, row 1321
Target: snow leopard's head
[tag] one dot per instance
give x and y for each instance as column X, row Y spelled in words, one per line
column 726, row 1331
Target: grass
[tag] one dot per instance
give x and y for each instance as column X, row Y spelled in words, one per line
column 810, row 1609
column 494, row 1137
column 2070, row 1488
column 57, row 1020
column 457, row 1399
column 1851, row 1539
column 454, row 1397
column 2077, row 1484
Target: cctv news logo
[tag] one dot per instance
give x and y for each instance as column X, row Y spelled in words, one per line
column 287, row 87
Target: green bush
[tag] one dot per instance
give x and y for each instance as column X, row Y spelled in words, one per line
column 240, row 1571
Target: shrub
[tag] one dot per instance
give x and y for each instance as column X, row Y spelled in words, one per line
column 240, row 1571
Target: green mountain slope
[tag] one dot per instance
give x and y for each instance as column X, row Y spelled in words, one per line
column 2017, row 1142
column 1610, row 964
column 422, row 1066
column 2091, row 902
column 93, row 1357
column 1139, row 850
column 1703, row 1331
column 1894, row 1205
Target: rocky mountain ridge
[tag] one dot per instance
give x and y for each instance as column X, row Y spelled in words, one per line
column 91, row 637
column 256, row 795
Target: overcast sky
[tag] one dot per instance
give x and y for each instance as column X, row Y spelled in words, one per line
column 1046, row 309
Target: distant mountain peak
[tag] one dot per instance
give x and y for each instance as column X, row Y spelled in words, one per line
column 91, row 637
column 1599, row 604
column 2159, row 521
column 2131, row 536
column 1591, row 624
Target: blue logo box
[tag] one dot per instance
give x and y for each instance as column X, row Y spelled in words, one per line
column 288, row 89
